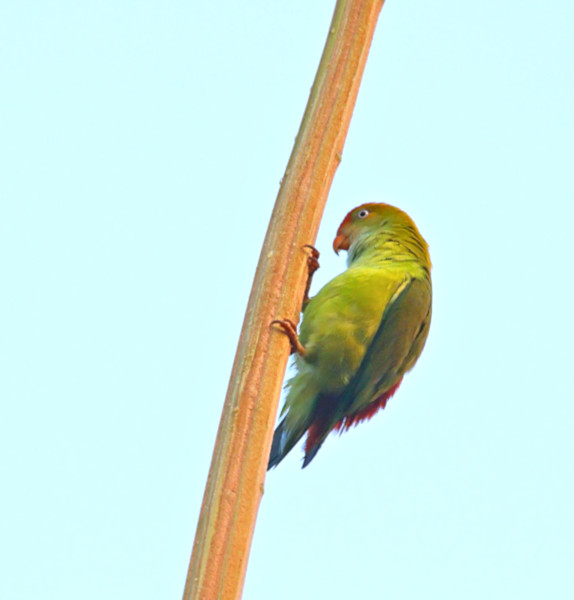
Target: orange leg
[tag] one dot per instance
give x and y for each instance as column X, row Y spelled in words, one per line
column 312, row 266
column 290, row 330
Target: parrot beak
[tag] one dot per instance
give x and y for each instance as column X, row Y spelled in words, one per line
column 341, row 242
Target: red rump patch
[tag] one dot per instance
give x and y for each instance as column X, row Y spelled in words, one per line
column 365, row 413
column 313, row 435
column 320, row 424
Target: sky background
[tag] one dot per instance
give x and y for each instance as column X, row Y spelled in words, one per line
column 142, row 145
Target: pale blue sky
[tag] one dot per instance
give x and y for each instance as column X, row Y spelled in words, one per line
column 142, row 148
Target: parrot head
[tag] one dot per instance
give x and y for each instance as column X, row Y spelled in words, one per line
column 369, row 221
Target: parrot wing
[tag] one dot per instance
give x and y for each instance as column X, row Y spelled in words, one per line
column 338, row 326
column 393, row 350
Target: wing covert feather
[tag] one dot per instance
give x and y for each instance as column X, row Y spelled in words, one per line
column 395, row 347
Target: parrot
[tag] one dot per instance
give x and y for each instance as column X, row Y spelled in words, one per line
column 360, row 333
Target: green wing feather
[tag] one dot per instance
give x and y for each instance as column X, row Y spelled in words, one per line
column 395, row 348
column 393, row 351
column 338, row 326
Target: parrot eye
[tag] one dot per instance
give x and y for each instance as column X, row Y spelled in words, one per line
column 363, row 214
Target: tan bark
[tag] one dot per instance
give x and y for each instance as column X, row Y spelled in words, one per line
column 235, row 483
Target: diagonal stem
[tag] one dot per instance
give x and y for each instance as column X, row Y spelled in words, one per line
column 235, row 483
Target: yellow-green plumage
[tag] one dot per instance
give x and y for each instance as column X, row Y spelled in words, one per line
column 362, row 332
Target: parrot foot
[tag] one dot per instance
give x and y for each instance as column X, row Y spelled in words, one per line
column 312, row 266
column 290, row 330
column 313, row 259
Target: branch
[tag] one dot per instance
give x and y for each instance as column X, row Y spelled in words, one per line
column 235, row 483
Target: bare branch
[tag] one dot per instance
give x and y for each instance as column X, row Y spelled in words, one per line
column 235, row 482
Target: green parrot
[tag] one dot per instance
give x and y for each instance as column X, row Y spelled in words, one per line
column 361, row 333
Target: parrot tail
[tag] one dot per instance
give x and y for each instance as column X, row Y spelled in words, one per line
column 283, row 441
column 319, row 429
column 315, row 438
column 321, row 426
column 310, row 454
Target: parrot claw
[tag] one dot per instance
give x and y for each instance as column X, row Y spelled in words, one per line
column 290, row 330
column 312, row 259
column 312, row 266
column 314, row 252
